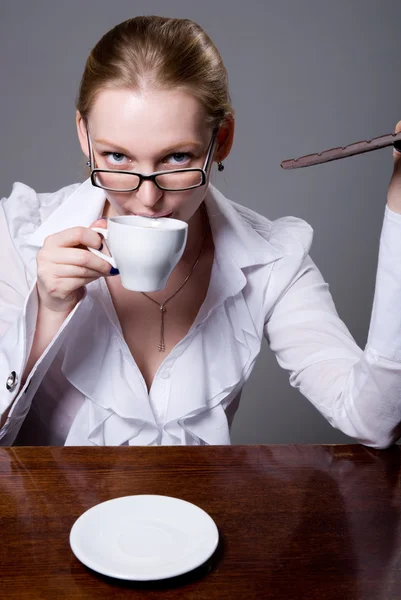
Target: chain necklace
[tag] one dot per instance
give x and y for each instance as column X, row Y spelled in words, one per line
column 162, row 307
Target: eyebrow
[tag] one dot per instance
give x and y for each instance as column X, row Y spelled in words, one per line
column 165, row 151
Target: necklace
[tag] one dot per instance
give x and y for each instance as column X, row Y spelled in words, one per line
column 162, row 307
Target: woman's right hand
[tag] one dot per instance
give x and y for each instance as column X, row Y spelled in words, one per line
column 65, row 266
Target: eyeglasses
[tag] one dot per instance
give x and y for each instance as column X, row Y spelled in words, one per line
column 173, row 180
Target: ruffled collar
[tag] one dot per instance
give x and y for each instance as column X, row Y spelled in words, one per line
column 81, row 208
column 237, row 246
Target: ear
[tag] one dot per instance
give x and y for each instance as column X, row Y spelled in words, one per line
column 225, row 138
column 82, row 135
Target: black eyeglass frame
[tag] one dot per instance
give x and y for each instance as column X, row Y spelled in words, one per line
column 152, row 176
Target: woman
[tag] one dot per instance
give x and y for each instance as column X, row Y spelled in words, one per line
column 85, row 362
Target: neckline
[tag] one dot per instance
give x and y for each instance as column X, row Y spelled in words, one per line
column 108, row 305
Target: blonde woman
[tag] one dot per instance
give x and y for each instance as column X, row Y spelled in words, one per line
column 84, row 361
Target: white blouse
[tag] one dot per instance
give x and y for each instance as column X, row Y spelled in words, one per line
column 86, row 388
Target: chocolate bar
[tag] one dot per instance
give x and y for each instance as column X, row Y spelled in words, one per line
column 391, row 139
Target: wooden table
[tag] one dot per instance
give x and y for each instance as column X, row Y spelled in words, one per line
column 295, row 522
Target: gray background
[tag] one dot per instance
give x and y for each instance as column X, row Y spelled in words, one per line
column 304, row 76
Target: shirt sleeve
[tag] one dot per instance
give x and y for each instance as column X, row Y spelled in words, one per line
column 18, row 314
column 358, row 391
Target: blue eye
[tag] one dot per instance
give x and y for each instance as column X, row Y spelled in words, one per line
column 117, row 156
column 114, row 158
column 175, row 160
column 181, row 157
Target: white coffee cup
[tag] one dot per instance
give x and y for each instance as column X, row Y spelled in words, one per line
column 144, row 250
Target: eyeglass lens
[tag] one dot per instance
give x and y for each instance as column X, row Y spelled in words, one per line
column 127, row 181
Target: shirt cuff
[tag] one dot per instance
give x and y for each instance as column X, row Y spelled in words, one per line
column 21, row 338
column 391, row 214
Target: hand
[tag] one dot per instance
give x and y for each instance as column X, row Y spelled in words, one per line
column 394, row 189
column 65, row 266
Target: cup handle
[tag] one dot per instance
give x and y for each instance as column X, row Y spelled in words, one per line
column 109, row 259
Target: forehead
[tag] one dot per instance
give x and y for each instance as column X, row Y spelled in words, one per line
column 161, row 117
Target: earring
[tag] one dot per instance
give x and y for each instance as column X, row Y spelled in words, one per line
column 220, row 166
column 88, row 163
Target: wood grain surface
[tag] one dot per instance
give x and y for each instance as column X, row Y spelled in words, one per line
column 295, row 522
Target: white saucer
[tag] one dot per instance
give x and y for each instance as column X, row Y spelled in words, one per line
column 144, row 537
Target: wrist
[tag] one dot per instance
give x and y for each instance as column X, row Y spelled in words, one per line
column 57, row 309
column 394, row 206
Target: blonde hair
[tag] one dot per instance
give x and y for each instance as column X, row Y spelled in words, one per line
column 160, row 53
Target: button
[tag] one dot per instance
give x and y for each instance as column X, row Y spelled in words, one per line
column 12, row 381
column 165, row 374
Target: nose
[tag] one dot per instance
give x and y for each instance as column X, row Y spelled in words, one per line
column 148, row 194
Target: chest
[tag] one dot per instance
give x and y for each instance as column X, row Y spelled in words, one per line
column 146, row 328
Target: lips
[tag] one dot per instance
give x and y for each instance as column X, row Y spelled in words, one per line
column 154, row 215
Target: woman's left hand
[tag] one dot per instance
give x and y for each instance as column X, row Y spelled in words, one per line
column 394, row 189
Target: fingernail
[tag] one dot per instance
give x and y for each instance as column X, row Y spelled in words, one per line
column 114, row 271
column 101, row 246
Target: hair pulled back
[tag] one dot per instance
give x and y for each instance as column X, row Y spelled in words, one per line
column 159, row 53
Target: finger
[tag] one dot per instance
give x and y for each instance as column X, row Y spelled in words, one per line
column 102, row 222
column 397, row 151
column 75, row 272
column 394, row 188
column 71, row 284
column 75, row 236
column 80, row 258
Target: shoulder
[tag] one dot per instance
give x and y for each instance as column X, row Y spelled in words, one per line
column 290, row 235
column 25, row 209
